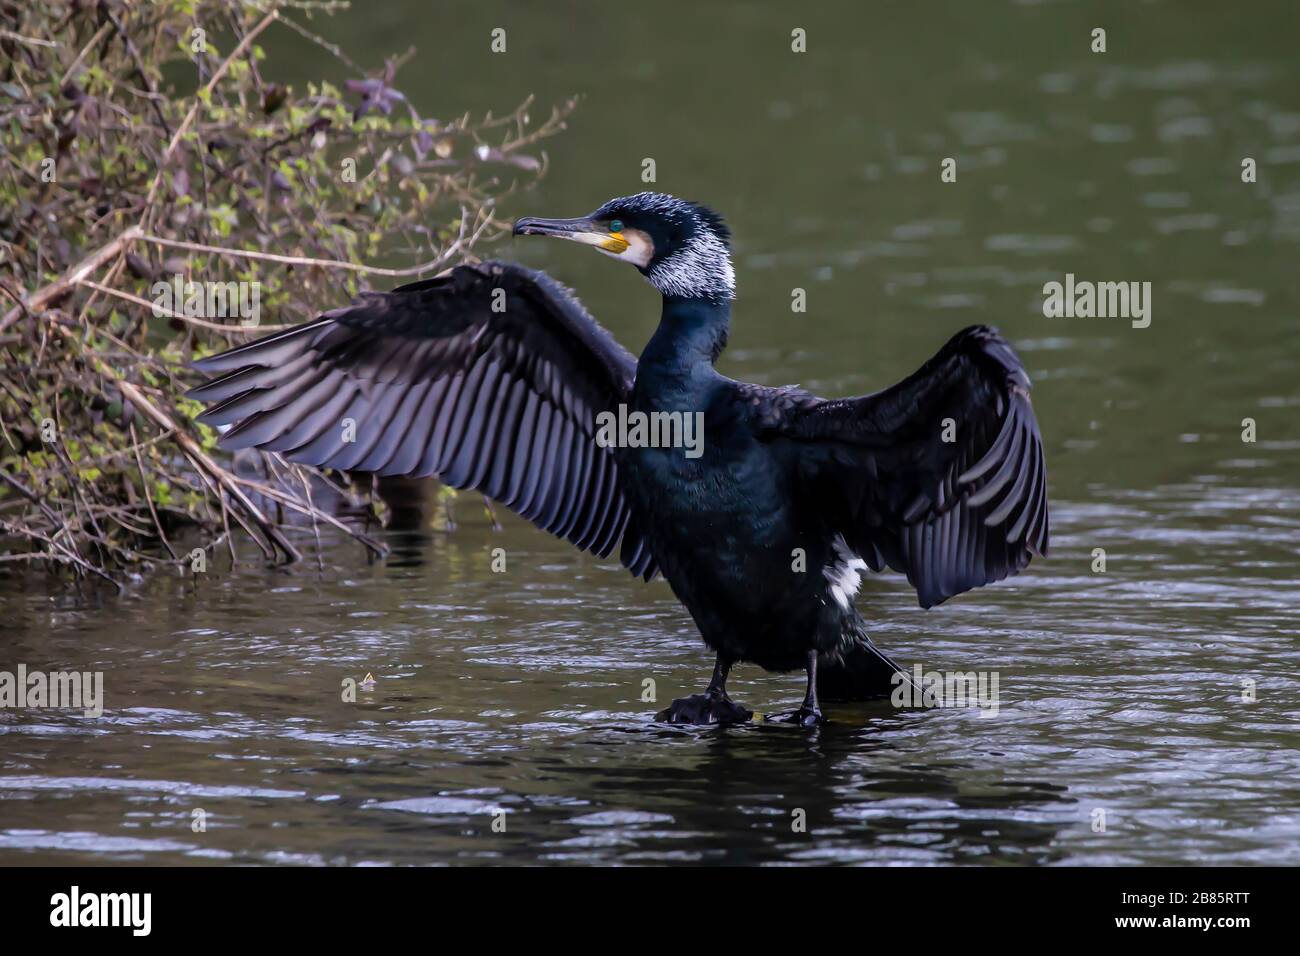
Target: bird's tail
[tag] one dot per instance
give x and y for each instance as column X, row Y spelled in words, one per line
column 863, row 672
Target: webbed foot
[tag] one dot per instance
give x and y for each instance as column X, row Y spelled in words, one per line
column 803, row 717
column 704, row 709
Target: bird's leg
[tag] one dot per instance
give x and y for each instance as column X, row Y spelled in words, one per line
column 718, row 683
column 809, row 713
column 711, row 707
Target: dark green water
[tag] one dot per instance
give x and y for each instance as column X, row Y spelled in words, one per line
column 522, row 691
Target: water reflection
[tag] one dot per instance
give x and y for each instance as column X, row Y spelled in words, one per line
column 1125, row 697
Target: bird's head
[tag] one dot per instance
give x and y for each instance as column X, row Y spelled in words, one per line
column 683, row 248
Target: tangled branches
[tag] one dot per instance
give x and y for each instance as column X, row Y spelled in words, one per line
column 158, row 193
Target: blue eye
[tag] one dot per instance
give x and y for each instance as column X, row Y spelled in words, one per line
column 616, row 225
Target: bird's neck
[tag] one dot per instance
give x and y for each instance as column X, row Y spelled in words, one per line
column 692, row 334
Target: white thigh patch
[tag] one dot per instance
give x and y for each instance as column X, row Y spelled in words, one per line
column 844, row 573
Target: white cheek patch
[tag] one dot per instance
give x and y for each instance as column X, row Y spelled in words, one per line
column 640, row 249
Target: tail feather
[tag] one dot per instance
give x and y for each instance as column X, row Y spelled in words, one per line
column 864, row 672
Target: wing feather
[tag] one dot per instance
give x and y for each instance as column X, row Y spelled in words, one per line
column 439, row 380
column 951, row 515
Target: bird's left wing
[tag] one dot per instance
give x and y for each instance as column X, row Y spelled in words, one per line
column 489, row 376
column 940, row 477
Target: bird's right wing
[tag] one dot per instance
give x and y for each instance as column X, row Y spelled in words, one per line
column 489, row 376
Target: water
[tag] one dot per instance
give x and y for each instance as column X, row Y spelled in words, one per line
column 522, row 692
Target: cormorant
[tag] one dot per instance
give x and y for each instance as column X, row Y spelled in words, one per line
column 492, row 377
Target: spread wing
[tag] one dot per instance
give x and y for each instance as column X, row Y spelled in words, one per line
column 950, row 514
column 489, row 376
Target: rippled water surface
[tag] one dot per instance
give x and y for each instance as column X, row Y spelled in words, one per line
column 518, row 696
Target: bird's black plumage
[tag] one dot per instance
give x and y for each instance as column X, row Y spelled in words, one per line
column 492, row 376
column 437, row 382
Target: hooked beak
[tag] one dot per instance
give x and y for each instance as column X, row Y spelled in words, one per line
column 583, row 229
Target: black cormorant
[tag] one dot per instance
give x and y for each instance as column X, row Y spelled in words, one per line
column 493, row 377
